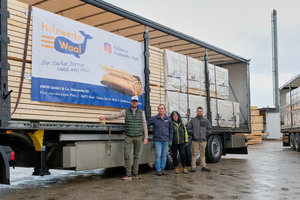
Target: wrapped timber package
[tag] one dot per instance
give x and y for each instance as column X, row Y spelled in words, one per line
column 185, row 74
column 194, row 70
column 175, row 72
column 224, row 113
column 218, row 80
column 292, row 110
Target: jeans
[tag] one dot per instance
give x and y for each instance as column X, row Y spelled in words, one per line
column 161, row 150
column 136, row 142
column 181, row 149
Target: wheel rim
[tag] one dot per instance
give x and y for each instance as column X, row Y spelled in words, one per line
column 296, row 142
column 292, row 140
column 216, row 147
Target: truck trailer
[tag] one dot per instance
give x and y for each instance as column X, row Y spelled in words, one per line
column 289, row 113
column 65, row 63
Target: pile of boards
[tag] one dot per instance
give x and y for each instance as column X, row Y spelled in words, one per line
column 291, row 110
column 257, row 127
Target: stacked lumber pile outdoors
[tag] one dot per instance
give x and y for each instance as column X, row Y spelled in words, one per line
column 257, row 127
column 157, row 80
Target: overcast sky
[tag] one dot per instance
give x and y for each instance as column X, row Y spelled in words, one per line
column 240, row 27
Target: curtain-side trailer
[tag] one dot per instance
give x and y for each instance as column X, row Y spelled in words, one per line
column 51, row 120
column 290, row 113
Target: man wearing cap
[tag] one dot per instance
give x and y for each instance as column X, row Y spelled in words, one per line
column 135, row 125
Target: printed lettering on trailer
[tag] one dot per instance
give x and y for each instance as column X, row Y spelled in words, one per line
column 77, row 63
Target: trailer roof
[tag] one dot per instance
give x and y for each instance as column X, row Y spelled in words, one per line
column 294, row 83
column 111, row 18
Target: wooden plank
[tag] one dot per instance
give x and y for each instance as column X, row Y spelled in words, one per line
column 257, row 127
column 60, row 118
column 74, row 107
column 29, row 108
column 18, row 3
column 254, row 112
column 256, row 132
column 257, row 119
column 19, row 24
column 253, row 107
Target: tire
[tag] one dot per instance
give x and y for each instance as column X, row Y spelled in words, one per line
column 297, row 142
column 292, row 141
column 214, row 149
column 169, row 164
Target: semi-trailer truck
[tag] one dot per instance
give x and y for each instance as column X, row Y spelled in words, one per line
column 65, row 63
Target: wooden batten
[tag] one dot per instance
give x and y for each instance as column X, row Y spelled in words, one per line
column 257, row 119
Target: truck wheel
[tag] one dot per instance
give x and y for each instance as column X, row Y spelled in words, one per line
column 292, row 141
column 213, row 149
column 169, row 164
column 297, row 142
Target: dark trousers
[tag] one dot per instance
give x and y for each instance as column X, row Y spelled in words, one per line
column 181, row 149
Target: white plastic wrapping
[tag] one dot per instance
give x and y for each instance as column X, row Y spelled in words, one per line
column 224, row 113
column 295, row 101
column 175, row 71
column 222, row 83
column 183, row 71
column 195, row 68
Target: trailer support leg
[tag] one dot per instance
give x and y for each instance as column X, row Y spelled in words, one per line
column 40, row 149
column 41, row 169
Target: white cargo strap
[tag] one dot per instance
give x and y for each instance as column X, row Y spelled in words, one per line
column 217, row 108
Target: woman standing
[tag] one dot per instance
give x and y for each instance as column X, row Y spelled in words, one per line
column 180, row 140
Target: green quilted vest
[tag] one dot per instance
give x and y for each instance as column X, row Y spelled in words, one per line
column 134, row 124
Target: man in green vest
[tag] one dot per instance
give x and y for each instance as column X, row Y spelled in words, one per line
column 135, row 125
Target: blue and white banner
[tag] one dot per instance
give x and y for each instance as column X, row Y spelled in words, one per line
column 76, row 63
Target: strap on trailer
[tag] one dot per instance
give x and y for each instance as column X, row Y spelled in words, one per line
column 24, row 57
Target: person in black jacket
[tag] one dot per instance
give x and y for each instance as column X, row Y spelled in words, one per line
column 180, row 140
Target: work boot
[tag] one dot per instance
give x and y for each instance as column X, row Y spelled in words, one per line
column 176, row 170
column 193, row 169
column 206, row 169
column 185, row 171
column 159, row 173
column 164, row 172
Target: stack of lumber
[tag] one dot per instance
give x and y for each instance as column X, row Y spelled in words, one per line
column 52, row 111
column 257, row 127
column 157, row 78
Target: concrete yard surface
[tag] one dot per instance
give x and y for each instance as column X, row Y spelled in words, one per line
column 269, row 171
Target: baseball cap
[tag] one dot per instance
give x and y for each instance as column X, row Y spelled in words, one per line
column 134, row 98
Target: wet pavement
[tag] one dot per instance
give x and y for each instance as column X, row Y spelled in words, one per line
column 269, row 171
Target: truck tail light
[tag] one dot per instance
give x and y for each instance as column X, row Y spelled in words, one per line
column 12, row 156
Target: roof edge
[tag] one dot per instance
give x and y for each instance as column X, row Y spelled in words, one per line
column 137, row 18
column 289, row 82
